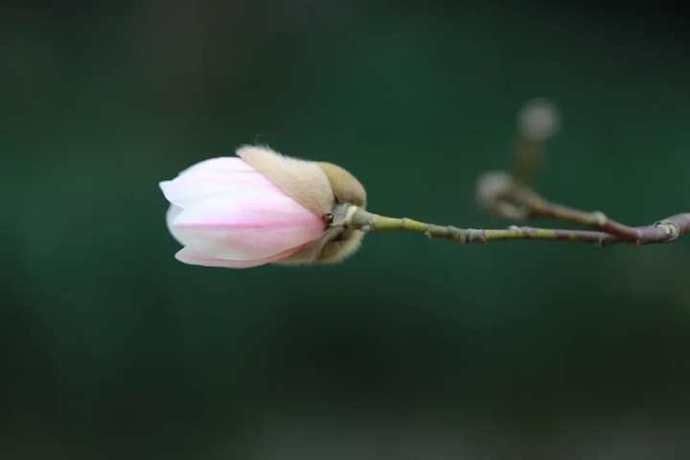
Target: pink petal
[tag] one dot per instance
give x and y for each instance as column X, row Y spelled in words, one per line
column 188, row 256
column 228, row 214
column 214, row 176
column 245, row 228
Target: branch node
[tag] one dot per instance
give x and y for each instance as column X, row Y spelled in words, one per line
column 600, row 218
column 472, row 235
column 670, row 229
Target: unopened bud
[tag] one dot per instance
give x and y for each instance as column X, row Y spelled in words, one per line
column 260, row 207
column 538, row 120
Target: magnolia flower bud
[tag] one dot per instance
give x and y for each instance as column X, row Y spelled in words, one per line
column 538, row 120
column 258, row 208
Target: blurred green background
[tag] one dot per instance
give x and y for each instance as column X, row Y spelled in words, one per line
column 412, row 348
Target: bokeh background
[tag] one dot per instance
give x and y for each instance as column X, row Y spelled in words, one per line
column 411, row 349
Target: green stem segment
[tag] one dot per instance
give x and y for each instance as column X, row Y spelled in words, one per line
column 664, row 231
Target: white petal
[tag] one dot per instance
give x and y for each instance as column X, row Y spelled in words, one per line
column 214, row 176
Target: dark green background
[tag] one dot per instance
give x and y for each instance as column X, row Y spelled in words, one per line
column 412, row 348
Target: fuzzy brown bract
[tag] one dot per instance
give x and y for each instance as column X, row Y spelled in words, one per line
column 319, row 187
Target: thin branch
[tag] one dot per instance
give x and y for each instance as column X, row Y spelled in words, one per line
column 538, row 207
column 505, row 197
column 353, row 217
column 511, row 196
